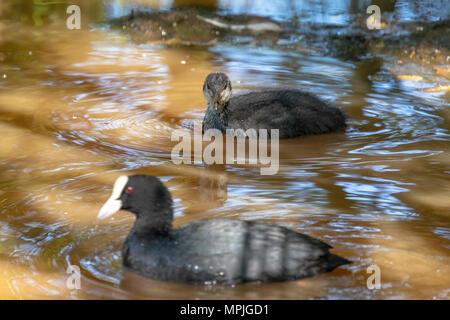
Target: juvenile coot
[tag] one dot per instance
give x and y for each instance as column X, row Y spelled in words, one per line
column 293, row 112
column 214, row 251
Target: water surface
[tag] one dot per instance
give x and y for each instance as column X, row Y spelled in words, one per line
column 80, row 108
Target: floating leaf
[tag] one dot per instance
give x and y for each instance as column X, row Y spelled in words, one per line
column 409, row 77
column 444, row 71
column 438, row 89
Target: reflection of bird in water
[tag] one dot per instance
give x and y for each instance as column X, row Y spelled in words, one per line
column 193, row 26
column 213, row 186
column 293, row 112
column 222, row 251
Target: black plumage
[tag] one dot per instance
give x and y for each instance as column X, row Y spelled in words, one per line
column 214, row 251
column 295, row 113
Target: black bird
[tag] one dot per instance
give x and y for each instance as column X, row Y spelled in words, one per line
column 295, row 113
column 209, row 251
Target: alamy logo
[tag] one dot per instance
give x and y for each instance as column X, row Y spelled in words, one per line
column 374, row 20
column 374, row 281
column 74, row 280
column 213, row 153
column 74, row 20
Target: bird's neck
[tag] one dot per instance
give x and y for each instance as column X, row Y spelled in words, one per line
column 158, row 222
column 221, row 111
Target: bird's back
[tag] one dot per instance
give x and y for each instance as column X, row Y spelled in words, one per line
column 293, row 112
column 228, row 252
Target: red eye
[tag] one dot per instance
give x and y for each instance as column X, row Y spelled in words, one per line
column 129, row 190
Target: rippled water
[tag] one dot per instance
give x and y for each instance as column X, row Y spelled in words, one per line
column 79, row 109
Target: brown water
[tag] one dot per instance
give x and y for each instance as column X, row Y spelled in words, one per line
column 80, row 108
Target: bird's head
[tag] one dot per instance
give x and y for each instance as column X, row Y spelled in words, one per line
column 146, row 197
column 217, row 89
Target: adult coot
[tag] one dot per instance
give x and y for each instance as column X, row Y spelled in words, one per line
column 295, row 113
column 222, row 251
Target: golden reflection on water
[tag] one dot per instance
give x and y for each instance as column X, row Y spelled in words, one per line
column 79, row 109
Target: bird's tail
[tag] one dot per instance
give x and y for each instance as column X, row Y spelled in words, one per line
column 334, row 261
